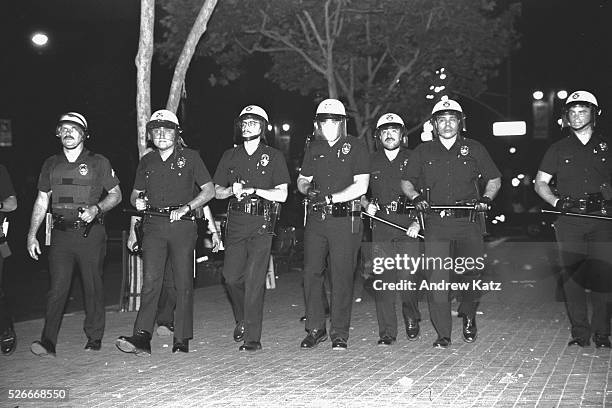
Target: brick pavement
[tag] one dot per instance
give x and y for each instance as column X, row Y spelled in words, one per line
column 520, row 359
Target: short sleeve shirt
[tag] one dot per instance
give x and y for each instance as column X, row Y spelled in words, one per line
column 385, row 175
column 104, row 177
column 266, row 168
column 6, row 186
column 332, row 167
column 580, row 169
column 171, row 182
column 451, row 175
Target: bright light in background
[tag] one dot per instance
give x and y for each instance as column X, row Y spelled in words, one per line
column 444, row 98
column 512, row 150
column 537, row 95
column 520, row 176
column 560, row 122
column 270, row 128
column 40, row 39
column 512, row 128
column 442, row 76
column 562, row 94
column 515, row 182
column 429, row 97
column 286, row 127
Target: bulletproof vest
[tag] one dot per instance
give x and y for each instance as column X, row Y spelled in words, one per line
column 71, row 185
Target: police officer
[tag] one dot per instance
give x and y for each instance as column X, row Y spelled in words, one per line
column 334, row 175
column 582, row 165
column 255, row 178
column 388, row 201
column 73, row 182
column 8, row 203
column 167, row 175
column 451, row 167
column 167, row 297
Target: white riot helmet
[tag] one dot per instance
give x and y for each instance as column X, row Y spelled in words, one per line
column 73, row 118
column 163, row 118
column 390, row 120
column 448, row 106
column 330, row 109
column 251, row 112
column 581, row 98
column 167, row 119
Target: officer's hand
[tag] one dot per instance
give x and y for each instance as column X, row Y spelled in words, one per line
column 33, row 248
column 238, row 190
column 216, row 242
column 421, row 203
column 141, row 204
column 88, row 214
column 483, row 204
column 372, row 208
column 413, row 230
column 564, row 204
column 176, row 215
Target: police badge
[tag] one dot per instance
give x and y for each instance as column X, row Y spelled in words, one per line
column 603, row 146
column 83, row 170
column 403, row 165
column 464, row 150
column 346, row 148
column 180, row 162
column 265, row 159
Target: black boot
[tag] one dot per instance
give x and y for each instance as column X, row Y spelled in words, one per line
column 139, row 343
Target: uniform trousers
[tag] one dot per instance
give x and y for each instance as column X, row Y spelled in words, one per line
column 388, row 242
column 332, row 236
column 247, row 256
column 586, row 258
column 6, row 322
column 451, row 238
column 162, row 241
column 70, row 248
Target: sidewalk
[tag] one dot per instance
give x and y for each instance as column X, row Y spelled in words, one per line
column 520, row 359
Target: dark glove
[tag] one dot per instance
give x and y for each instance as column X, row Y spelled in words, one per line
column 564, row 204
column 483, row 204
column 315, row 196
column 421, row 204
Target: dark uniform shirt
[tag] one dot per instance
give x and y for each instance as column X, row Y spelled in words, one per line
column 75, row 184
column 451, row 175
column 385, row 175
column 171, row 182
column 6, row 188
column 266, row 168
column 580, row 169
column 333, row 167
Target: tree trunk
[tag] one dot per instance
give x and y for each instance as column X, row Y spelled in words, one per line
column 143, row 72
column 197, row 30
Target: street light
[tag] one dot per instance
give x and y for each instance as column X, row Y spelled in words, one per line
column 538, row 95
column 40, row 39
column 562, row 94
column 286, row 127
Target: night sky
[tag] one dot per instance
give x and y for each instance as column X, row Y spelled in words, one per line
column 88, row 66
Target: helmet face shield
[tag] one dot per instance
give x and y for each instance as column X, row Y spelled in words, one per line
column 330, row 121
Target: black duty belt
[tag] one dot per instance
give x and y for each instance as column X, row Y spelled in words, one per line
column 397, row 206
column 253, row 206
column 65, row 225
column 164, row 210
column 593, row 202
column 350, row 208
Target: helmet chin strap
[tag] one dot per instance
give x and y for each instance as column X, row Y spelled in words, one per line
column 581, row 127
column 395, row 148
column 247, row 138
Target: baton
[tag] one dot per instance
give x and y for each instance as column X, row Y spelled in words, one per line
column 572, row 214
column 156, row 214
column 392, row 224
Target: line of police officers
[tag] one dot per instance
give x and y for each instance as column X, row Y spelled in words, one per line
column 339, row 178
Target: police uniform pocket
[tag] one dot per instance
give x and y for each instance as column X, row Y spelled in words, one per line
column 431, row 170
